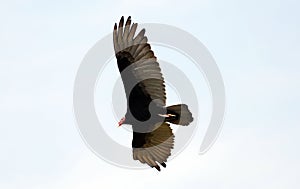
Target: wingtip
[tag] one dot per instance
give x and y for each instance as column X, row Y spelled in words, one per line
column 128, row 21
column 156, row 167
column 121, row 21
column 115, row 26
column 142, row 32
column 163, row 164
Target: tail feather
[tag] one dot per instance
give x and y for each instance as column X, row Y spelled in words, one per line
column 181, row 114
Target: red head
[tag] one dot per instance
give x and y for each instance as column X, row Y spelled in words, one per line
column 121, row 121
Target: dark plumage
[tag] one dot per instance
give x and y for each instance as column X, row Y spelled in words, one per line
column 146, row 97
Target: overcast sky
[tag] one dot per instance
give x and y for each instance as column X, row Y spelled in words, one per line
column 256, row 46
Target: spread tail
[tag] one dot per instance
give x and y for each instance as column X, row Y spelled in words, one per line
column 179, row 114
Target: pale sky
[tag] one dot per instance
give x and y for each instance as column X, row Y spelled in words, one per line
column 255, row 44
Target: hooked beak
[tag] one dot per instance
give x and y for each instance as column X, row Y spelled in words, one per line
column 121, row 121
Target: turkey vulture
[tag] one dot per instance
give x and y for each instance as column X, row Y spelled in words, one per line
column 146, row 97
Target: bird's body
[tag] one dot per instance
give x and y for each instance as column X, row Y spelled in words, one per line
column 146, row 97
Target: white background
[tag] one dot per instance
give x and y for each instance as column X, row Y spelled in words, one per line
column 255, row 44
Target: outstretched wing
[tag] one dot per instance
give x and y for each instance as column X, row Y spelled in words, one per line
column 135, row 57
column 154, row 146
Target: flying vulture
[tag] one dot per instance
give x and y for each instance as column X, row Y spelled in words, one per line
column 146, row 97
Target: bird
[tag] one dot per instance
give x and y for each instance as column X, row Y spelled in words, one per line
column 144, row 87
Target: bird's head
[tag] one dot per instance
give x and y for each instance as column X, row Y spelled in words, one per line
column 122, row 121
